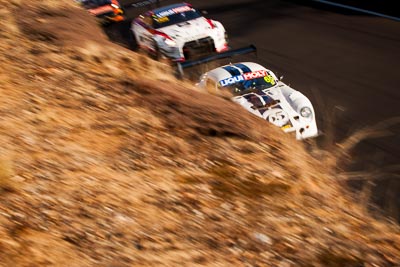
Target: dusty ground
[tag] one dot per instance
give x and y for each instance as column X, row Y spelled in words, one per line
column 107, row 160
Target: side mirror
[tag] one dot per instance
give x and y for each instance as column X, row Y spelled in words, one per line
column 280, row 78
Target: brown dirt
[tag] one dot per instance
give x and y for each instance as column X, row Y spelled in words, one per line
column 59, row 24
column 107, row 160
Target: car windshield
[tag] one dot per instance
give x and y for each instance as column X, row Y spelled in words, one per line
column 174, row 16
column 245, row 86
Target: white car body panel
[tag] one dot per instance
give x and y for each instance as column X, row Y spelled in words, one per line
column 279, row 104
column 194, row 30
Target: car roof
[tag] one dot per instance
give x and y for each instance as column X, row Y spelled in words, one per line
column 230, row 70
column 165, row 8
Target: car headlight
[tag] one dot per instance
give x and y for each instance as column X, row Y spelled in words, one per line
column 305, row 112
column 169, row 42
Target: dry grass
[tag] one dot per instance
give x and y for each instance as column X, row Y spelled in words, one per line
column 6, row 176
column 381, row 129
column 120, row 164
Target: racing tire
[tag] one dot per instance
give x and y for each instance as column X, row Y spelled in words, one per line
column 156, row 55
column 133, row 44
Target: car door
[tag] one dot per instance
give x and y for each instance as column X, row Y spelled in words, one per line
column 143, row 31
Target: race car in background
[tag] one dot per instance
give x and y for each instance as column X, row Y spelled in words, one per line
column 107, row 11
column 178, row 32
column 260, row 92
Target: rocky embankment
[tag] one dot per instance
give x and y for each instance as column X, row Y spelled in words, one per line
column 108, row 160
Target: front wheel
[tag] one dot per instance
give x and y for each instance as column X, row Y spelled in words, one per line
column 156, row 55
column 133, row 44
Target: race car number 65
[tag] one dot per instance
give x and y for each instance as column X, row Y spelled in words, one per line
column 269, row 79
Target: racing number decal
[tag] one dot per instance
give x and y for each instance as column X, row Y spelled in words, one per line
column 269, row 79
column 277, row 117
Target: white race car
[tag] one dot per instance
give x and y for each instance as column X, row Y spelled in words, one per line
column 259, row 91
column 178, row 32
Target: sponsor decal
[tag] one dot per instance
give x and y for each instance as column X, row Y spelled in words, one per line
column 287, row 126
column 182, row 9
column 172, row 11
column 231, row 80
column 244, row 77
column 254, row 74
column 161, row 20
column 269, row 79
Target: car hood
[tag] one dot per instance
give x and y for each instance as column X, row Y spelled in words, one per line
column 188, row 30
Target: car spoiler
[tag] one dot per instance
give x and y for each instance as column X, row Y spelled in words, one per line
column 230, row 53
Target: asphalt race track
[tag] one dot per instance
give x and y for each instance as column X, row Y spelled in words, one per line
column 347, row 63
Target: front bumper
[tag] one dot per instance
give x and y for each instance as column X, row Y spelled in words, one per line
column 303, row 131
column 172, row 52
column 193, row 49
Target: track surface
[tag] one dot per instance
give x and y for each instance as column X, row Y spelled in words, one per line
column 347, row 63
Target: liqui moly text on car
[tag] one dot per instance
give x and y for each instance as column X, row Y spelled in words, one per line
column 243, row 77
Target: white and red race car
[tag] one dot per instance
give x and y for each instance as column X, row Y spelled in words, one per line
column 260, row 92
column 178, row 32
